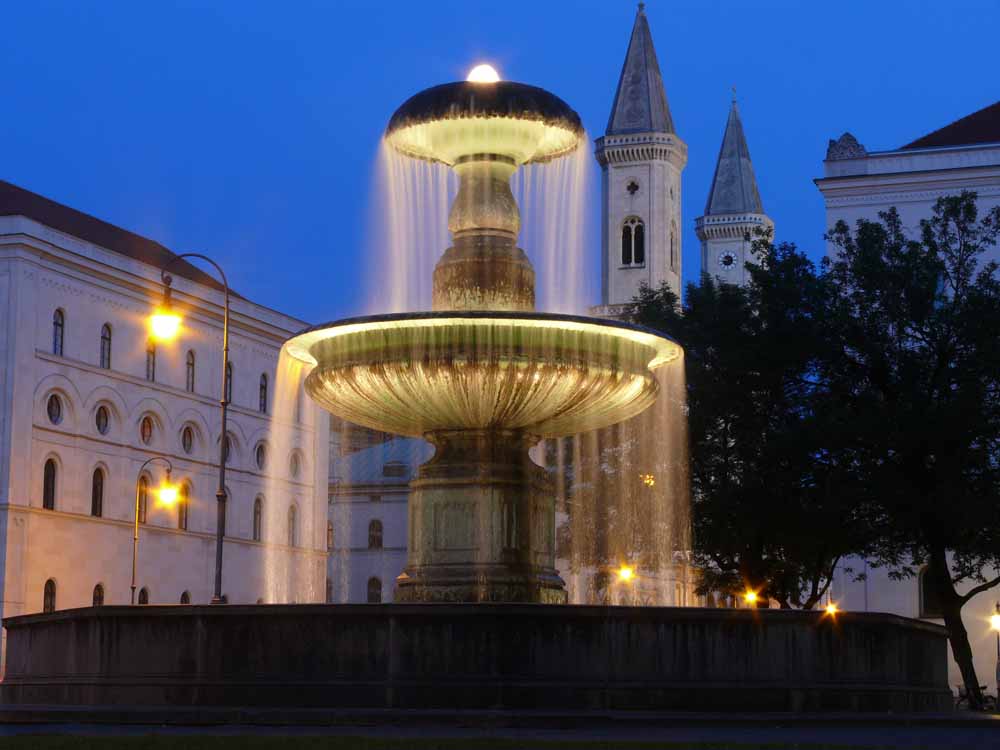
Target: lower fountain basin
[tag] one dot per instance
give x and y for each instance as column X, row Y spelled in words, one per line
column 548, row 375
column 501, row 657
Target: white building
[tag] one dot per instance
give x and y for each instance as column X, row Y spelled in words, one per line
column 857, row 183
column 734, row 214
column 964, row 155
column 367, row 532
column 85, row 400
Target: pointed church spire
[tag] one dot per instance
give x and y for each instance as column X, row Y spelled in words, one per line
column 734, row 186
column 640, row 102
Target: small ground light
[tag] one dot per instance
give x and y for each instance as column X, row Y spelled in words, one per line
column 750, row 597
column 832, row 609
column 648, row 479
column 625, row 573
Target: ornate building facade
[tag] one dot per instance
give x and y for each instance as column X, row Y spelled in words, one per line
column 86, row 399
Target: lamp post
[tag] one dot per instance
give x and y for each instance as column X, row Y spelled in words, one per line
column 165, row 324
column 167, row 494
column 995, row 624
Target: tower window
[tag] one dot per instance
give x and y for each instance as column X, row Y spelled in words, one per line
column 329, row 535
column 58, row 329
column 375, row 534
column 632, row 187
column 49, row 485
column 258, row 518
column 151, row 362
column 98, row 598
column 143, row 595
column 105, row 360
column 189, row 377
column 143, row 503
column 97, row 494
column 185, row 597
column 49, row 596
column 262, row 405
column 182, row 507
column 374, row 591
column 633, row 242
column 293, row 531
column 53, row 408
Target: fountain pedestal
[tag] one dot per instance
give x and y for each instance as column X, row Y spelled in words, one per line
column 481, row 523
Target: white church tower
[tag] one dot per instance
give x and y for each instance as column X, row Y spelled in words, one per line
column 734, row 210
column 641, row 161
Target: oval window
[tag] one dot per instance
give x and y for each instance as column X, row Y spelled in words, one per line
column 261, row 455
column 101, row 419
column 187, row 439
column 54, row 409
column 146, row 430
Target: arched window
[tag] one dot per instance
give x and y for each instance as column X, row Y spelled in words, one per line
column 186, row 597
column 49, row 485
column 151, row 361
column 673, row 246
column 97, row 493
column 53, row 408
column 374, row 591
column 187, row 439
column 930, row 602
column 183, row 504
column 106, row 346
column 293, row 522
column 143, row 498
column 98, row 599
column 262, row 396
column 58, row 329
column 49, row 596
column 295, row 465
column 102, row 419
column 189, row 372
column 329, row 535
column 375, row 534
column 229, row 382
column 258, row 518
column 633, row 242
column 143, row 595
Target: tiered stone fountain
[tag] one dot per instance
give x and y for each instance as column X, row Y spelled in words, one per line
column 483, row 377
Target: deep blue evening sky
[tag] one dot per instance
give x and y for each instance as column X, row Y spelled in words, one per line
column 248, row 130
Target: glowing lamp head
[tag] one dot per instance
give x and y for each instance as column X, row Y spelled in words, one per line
column 164, row 324
column 831, row 609
column 483, row 74
column 750, row 597
column 625, row 573
column 167, row 493
column 995, row 622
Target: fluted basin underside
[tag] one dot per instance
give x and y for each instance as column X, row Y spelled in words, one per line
column 545, row 374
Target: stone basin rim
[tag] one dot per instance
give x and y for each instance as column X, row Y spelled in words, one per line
column 299, row 344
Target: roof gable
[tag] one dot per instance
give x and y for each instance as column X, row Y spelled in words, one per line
column 979, row 127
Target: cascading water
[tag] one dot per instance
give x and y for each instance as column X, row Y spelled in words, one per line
column 289, row 517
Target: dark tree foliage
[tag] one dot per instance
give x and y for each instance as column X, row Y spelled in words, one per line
column 770, row 508
column 917, row 386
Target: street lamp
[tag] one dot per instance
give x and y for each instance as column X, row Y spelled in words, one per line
column 750, row 597
column 165, row 324
column 995, row 624
column 625, row 573
column 167, row 494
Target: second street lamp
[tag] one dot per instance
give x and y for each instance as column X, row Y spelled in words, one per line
column 167, row 495
column 164, row 325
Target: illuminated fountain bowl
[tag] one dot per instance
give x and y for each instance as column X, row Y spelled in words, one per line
column 547, row 375
column 455, row 120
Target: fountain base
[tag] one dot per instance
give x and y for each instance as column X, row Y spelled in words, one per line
column 481, row 523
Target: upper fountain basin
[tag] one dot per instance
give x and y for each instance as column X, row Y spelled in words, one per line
column 549, row 375
column 454, row 120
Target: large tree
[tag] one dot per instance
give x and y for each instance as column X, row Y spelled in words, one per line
column 770, row 507
column 917, row 384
